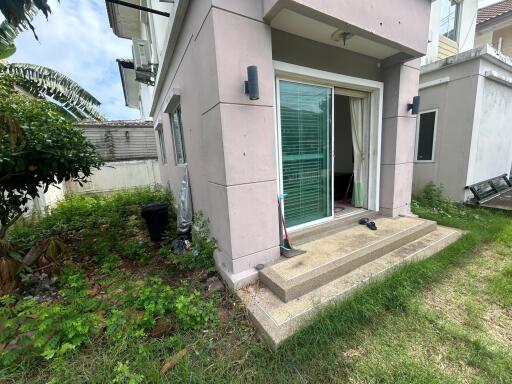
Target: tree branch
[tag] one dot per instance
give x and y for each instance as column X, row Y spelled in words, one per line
column 4, row 228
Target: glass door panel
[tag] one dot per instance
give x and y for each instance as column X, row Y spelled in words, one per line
column 306, row 116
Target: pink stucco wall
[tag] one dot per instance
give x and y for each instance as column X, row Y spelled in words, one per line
column 397, row 23
column 230, row 140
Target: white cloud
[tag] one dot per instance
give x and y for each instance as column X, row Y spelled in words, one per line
column 77, row 41
column 485, row 3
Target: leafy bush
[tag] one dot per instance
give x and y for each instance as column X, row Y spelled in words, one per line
column 431, row 202
column 38, row 148
column 193, row 312
column 101, row 225
column 48, row 330
column 142, row 305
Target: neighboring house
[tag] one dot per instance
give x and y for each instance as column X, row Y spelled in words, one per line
column 128, row 148
column 494, row 27
column 463, row 134
column 335, row 80
column 452, row 28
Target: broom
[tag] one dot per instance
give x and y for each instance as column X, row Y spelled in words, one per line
column 345, row 200
column 286, row 241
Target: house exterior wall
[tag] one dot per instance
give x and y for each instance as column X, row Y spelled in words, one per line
column 455, row 102
column 438, row 47
column 491, row 149
column 230, row 141
column 497, row 34
column 473, row 141
column 400, row 86
column 122, row 142
column 506, row 40
column 390, row 24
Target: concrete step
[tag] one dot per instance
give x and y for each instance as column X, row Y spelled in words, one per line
column 323, row 230
column 333, row 256
column 277, row 320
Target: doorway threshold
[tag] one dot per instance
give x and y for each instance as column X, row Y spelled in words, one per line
column 334, row 225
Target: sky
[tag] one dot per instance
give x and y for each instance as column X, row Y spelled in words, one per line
column 485, row 3
column 78, row 41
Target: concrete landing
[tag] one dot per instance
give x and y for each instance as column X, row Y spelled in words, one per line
column 333, row 256
column 277, row 320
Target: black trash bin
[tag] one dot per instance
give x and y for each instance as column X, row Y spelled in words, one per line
column 156, row 216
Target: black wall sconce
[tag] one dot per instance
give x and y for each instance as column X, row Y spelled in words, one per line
column 251, row 85
column 415, row 106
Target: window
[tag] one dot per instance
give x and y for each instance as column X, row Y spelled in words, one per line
column 161, row 142
column 426, row 135
column 449, row 24
column 177, row 136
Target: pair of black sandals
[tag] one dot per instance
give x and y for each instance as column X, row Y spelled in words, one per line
column 370, row 224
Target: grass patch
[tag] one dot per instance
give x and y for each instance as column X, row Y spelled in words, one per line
column 500, row 286
column 441, row 320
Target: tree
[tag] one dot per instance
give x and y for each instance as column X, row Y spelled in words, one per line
column 9, row 32
column 38, row 148
column 19, row 13
column 42, row 82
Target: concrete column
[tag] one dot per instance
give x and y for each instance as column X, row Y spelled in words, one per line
column 244, row 193
column 401, row 83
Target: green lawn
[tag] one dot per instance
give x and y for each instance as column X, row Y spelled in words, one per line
column 442, row 320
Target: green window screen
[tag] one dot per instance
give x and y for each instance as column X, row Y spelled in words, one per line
column 426, row 136
column 306, row 145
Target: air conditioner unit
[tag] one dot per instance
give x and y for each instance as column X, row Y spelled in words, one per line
column 145, row 71
column 145, row 76
column 141, row 54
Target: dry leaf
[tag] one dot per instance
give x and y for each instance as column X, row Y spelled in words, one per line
column 173, row 360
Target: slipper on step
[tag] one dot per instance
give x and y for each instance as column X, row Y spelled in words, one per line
column 364, row 221
column 372, row 225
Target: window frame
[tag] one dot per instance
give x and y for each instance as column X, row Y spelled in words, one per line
column 161, row 143
column 457, row 20
column 434, row 136
column 177, row 109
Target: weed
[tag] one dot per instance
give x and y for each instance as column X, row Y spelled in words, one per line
column 203, row 248
column 193, row 312
column 135, row 250
column 123, row 375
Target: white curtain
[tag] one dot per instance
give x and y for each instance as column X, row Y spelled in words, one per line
column 356, row 118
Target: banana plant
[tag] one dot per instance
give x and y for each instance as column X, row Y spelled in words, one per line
column 19, row 13
column 9, row 30
column 43, row 82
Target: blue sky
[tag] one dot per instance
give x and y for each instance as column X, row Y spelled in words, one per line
column 77, row 41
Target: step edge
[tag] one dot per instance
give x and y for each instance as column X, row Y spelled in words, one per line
column 286, row 290
column 275, row 334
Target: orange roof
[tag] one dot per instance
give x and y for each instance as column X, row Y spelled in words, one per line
column 493, row 11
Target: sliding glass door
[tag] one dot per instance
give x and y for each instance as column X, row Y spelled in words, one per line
column 306, row 135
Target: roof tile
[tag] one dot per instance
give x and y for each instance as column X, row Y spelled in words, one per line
column 492, row 11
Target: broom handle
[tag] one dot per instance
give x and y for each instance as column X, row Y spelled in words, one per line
column 282, row 216
column 349, row 182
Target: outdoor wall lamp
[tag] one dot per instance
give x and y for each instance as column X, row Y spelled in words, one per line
column 415, row 106
column 251, row 85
